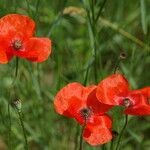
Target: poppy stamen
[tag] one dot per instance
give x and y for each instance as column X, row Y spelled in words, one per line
column 85, row 112
column 127, row 102
column 17, row 44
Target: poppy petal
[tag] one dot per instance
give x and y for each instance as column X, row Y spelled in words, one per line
column 71, row 92
column 95, row 105
column 4, row 57
column 141, row 104
column 145, row 91
column 71, row 99
column 98, row 134
column 36, row 49
column 16, row 23
column 112, row 89
column 141, row 110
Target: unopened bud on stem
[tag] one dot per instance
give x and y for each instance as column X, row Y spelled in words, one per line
column 17, row 104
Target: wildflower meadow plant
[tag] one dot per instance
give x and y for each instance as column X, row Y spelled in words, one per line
column 94, row 91
column 114, row 90
column 16, row 39
column 88, row 105
column 79, row 102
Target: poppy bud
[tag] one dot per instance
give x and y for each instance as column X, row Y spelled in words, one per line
column 123, row 55
column 16, row 104
column 114, row 134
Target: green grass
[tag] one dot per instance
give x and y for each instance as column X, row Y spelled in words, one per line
column 78, row 46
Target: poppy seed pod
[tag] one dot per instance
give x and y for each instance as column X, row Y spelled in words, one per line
column 123, row 55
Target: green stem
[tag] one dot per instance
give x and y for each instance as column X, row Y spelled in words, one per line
column 17, row 64
column 9, row 132
column 76, row 137
column 23, row 128
column 121, row 133
column 81, row 136
column 100, row 11
column 116, row 66
column 28, row 7
column 86, row 76
column 112, row 144
column 129, row 36
column 2, row 117
column 103, row 147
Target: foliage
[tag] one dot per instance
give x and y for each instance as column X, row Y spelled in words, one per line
column 76, row 48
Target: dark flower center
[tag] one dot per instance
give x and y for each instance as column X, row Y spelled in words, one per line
column 127, row 102
column 17, row 44
column 85, row 112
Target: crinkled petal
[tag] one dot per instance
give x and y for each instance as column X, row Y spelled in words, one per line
column 145, row 91
column 72, row 97
column 140, row 110
column 112, row 89
column 99, row 133
column 141, row 104
column 15, row 23
column 35, row 49
column 96, row 106
column 4, row 57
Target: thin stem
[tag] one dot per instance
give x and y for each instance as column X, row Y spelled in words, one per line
column 103, row 147
column 9, row 132
column 2, row 118
column 129, row 36
column 93, row 11
column 28, row 7
column 121, row 133
column 112, row 144
column 86, row 76
column 76, row 137
column 17, row 64
column 81, row 136
column 117, row 65
column 100, row 11
column 23, row 129
column 93, row 29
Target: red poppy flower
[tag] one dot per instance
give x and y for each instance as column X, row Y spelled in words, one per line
column 79, row 102
column 114, row 90
column 16, row 39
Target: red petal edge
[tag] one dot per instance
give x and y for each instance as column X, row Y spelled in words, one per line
column 112, row 89
column 18, row 24
column 99, row 134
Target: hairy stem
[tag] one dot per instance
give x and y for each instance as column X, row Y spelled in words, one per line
column 121, row 133
column 81, row 136
column 23, row 129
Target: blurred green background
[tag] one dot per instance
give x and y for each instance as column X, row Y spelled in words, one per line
column 84, row 50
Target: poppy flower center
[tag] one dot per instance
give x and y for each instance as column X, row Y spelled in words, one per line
column 85, row 113
column 17, row 44
column 127, row 102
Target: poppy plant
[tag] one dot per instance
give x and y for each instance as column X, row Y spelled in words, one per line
column 79, row 102
column 16, row 39
column 114, row 90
